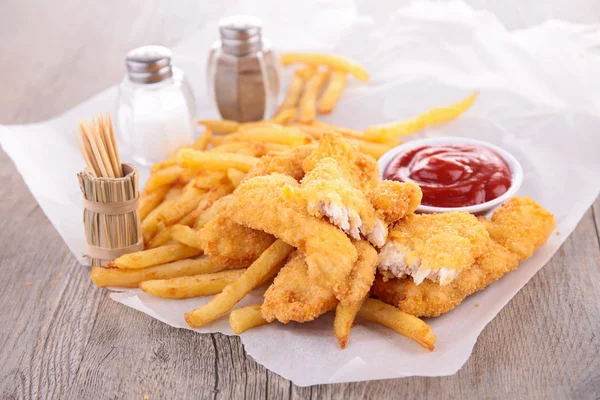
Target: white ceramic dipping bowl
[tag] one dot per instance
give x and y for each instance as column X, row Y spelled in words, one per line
column 514, row 166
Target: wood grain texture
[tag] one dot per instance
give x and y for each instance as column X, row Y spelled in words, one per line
column 62, row 338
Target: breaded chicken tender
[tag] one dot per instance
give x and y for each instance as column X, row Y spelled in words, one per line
column 363, row 273
column 394, row 200
column 284, row 162
column 360, row 169
column 429, row 299
column 437, row 247
column 330, row 256
column 234, row 244
column 517, row 230
column 521, row 225
column 293, row 297
column 326, row 193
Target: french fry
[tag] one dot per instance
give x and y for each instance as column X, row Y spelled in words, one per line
column 187, row 287
column 332, row 61
column 185, row 235
column 405, row 324
column 206, row 180
column 287, row 135
column 333, row 91
column 285, row 115
column 169, row 162
column 103, row 277
column 344, row 318
column 152, row 257
column 435, row 116
column 149, row 201
column 214, row 161
column 220, row 127
column 235, row 176
column 161, row 238
column 308, row 101
column 255, row 274
column 203, row 141
column 163, row 177
column 212, row 211
column 150, row 224
column 232, row 147
column 188, row 201
column 242, row 319
column 373, row 149
column 301, row 75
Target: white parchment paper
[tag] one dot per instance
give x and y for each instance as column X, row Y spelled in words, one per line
column 539, row 99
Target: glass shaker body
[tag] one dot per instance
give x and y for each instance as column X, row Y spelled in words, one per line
column 155, row 119
column 244, row 87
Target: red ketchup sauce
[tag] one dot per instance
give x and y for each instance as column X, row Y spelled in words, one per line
column 452, row 175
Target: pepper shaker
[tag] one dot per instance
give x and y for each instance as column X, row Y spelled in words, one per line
column 242, row 72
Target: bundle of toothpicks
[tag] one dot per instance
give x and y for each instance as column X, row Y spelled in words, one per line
column 110, row 194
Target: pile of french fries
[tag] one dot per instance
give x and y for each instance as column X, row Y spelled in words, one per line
column 189, row 188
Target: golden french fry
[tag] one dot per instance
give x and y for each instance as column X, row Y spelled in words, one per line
column 332, row 61
column 405, row 324
column 308, row 101
column 212, row 211
column 373, row 149
column 204, row 140
column 287, row 135
column 333, row 91
column 152, row 257
column 292, row 97
column 188, row 201
column 214, row 161
column 187, row 287
column 235, row 176
column 285, row 115
column 103, row 277
column 161, row 238
column 344, row 318
column 242, row 319
column 255, row 274
column 220, row 127
column 207, row 180
column 149, row 201
column 163, row 177
column 169, row 162
column 231, row 147
column 150, row 224
column 435, row 116
column 185, row 235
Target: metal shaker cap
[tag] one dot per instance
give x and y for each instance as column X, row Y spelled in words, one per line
column 241, row 34
column 149, row 64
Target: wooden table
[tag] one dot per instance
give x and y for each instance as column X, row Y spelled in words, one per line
column 60, row 337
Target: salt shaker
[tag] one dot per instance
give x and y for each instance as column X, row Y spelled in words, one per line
column 242, row 73
column 156, row 107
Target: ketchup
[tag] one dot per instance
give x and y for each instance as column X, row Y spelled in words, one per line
column 452, row 175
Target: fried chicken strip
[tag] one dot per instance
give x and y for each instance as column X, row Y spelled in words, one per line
column 326, row 193
column 293, row 297
column 258, row 204
column 394, row 200
column 284, row 162
column 359, row 169
column 521, row 239
column 231, row 243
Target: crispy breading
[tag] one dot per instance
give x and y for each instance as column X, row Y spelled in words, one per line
column 258, row 204
column 359, row 169
column 363, row 273
column 326, row 193
column 229, row 242
column 430, row 299
column 433, row 246
column 394, row 200
column 284, row 162
column 521, row 225
column 293, row 297
column 517, row 230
